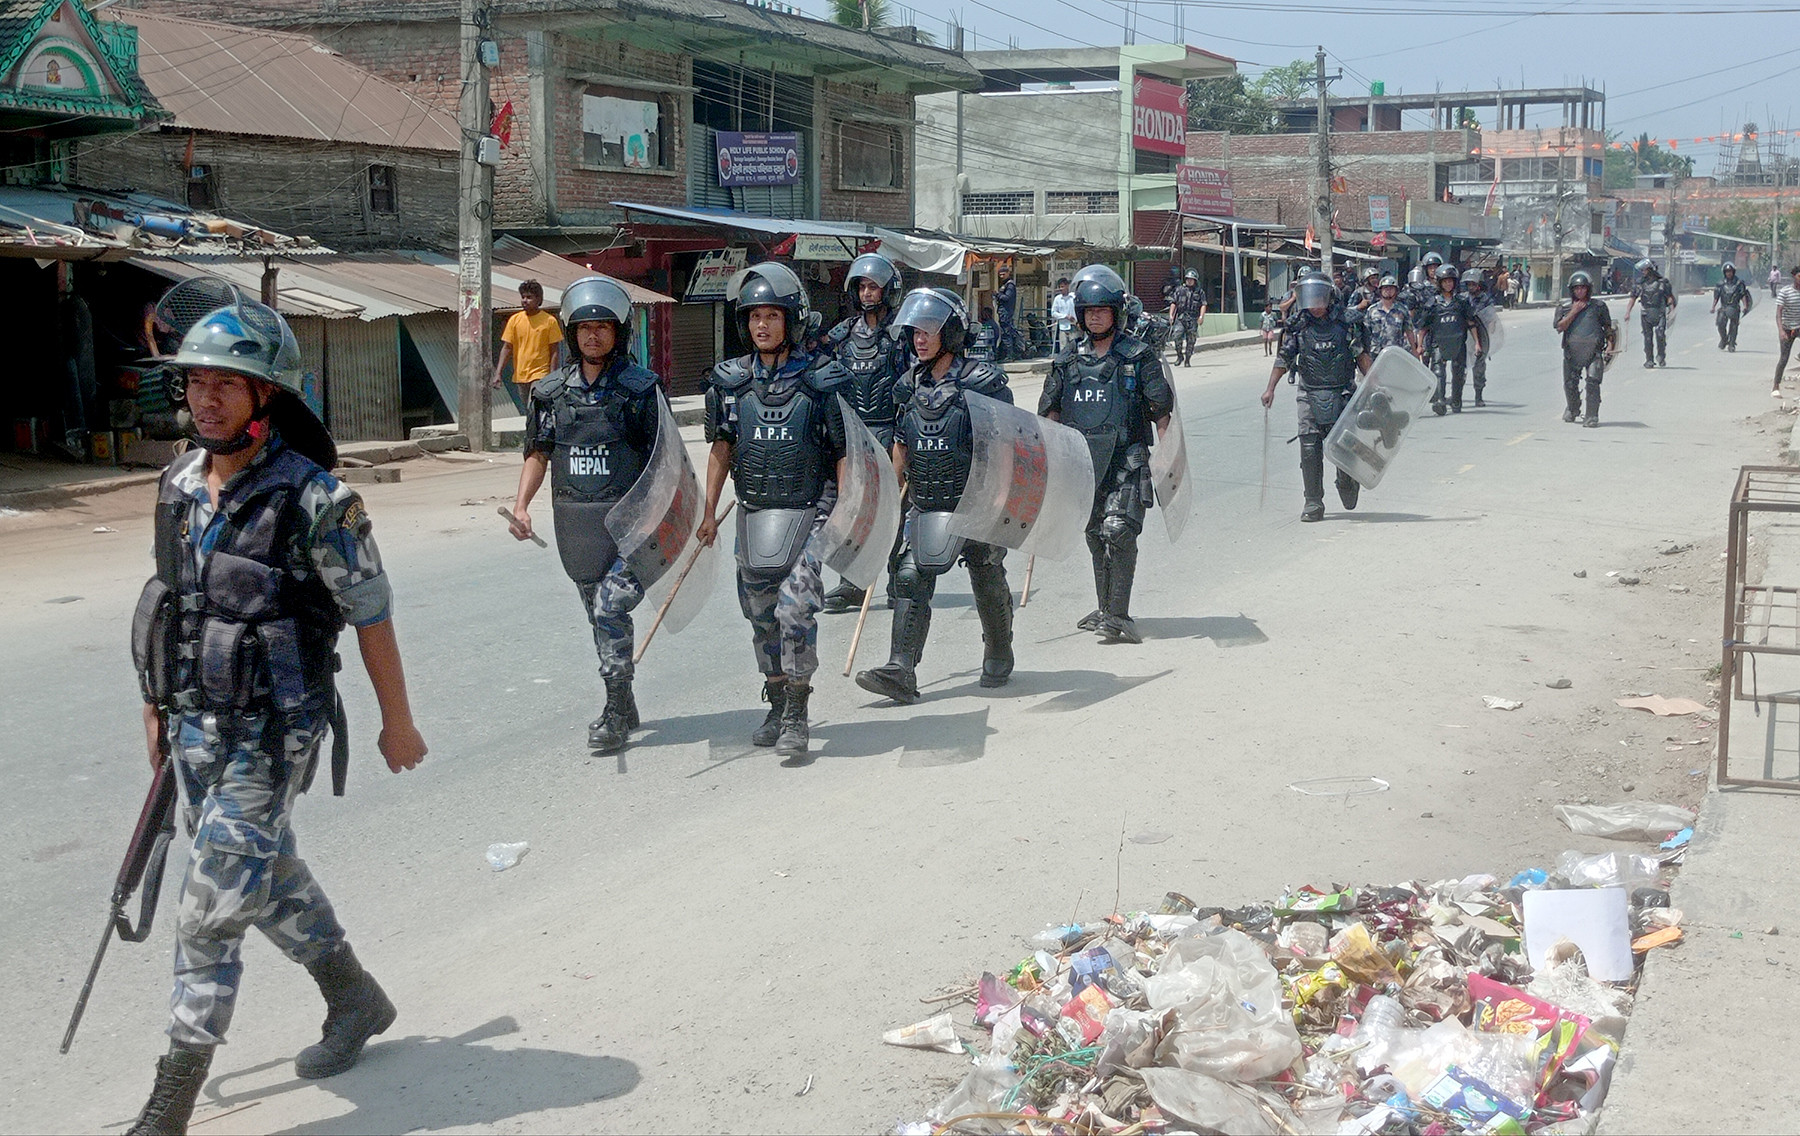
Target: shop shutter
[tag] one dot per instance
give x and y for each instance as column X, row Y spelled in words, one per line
column 691, row 349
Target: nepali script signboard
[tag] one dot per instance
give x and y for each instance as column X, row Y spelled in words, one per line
column 757, row 159
column 1202, row 191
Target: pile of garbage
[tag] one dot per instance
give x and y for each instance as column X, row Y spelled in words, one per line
column 1470, row 1005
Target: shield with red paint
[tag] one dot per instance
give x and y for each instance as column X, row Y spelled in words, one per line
column 653, row 525
column 1031, row 484
column 854, row 541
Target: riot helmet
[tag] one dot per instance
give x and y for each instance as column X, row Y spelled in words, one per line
column 877, row 270
column 1134, row 310
column 938, row 310
column 1190, row 277
column 1388, row 282
column 1731, row 269
column 1447, row 272
column 1430, row 259
column 1416, row 275
column 1382, row 287
column 1474, row 279
column 1646, row 267
column 594, row 298
column 1580, row 280
column 1372, row 270
column 773, row 285
column 1314, row 290
column 1098, row 286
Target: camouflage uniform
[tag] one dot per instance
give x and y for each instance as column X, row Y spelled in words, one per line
column 241, row 772
column 783, row 614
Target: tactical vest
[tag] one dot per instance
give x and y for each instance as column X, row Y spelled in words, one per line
column 870, row 357
column 1732, row 294
column 1585, row 335
column 940, row 444
column 592, row 464
column 1654, row 296
column 1100, row 399
column 777, row 462
column 1449, row 327
column 1325, row 359
column 243, row 633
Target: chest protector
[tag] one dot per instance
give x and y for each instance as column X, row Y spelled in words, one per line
column 1654, row 297
column 1449, row 327
column 249, row 631
column 1732, row 293
column 940, row 445
column 778, row 462
column 1325, row 360
column 593, row 463
column 1584, row 336
column 1100, row 398
column 871, row 357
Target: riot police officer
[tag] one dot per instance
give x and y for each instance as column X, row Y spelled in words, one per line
column 984, row 339
column 932, row 454
column 1731, row 302
column 1387, row 321
column 1152, row 329
column 1187, row 307
column 1445, row 324
column 1422, row 289
column 592, row 428
column 1111, row 388
column 262, row 556
column 1589, row 340
column 875, row 361
column 1363, row 297
column 1475, row 290
column 773, row 422
column 1657, row 297
column 1006, row 309
column 1325, row 351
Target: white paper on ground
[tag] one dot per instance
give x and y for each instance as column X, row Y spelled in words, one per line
column 1595, row 919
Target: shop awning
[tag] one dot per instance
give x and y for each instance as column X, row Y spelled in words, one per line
column 1244, row 224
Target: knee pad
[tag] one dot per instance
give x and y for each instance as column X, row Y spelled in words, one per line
column 1117, row 530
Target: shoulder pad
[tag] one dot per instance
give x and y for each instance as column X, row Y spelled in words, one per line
column 638, row 379
column 732, row 374
column 1131, row 347
column 839, row 332
column 826, row 374
column 1065, row 357
column 550, row 385
column 982, row 377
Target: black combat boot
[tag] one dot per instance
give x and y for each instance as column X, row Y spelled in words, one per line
column 179, row 1078
column 1117, row 626
column 795, row 732
column 356, row 1009
column 1456, row 393
column 1312, row 478
column 1097, row 552
column 993, row 604
column 896, row 680
column 612, row 729
column 845, row 597
column 774, row 692
column 1479, row 401
column 1592, row 418
column 1349, row 489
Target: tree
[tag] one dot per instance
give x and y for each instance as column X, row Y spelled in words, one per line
column 1750, row 220
column 1293, row 81
column 1642, row 156
column 865, row 14
column 1228, row 104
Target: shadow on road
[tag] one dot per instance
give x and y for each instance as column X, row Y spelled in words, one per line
column 447, row 1082
column 1224, row 630
column 925, row 739
column 1398, row 518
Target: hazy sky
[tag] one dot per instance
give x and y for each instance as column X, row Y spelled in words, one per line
column 1680, row 70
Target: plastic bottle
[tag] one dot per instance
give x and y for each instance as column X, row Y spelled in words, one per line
column 1381, row 1018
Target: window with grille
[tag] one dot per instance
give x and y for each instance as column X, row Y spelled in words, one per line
column 384, row 196
column 869, row 156
column 995, row 204
column 1082, row 201
column 202, row 188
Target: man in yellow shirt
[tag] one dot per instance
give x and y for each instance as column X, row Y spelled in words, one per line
column 529, row 343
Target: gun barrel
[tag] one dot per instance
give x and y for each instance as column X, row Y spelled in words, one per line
column 112, row 921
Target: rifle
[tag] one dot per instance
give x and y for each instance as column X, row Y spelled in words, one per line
column 144, row 859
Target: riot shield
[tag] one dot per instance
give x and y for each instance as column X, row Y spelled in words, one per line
column 1585, row 337
column 856, row 539
column 653, row 525
column 1169, row 475
column 1385, row 405
column 1031, row 486
column 1669, row 316
column 1496, row 334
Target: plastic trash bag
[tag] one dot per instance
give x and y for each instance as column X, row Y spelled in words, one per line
column 1630, row 820
column 1227, row 1001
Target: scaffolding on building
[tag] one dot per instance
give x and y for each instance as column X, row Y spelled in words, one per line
column 1755, row 158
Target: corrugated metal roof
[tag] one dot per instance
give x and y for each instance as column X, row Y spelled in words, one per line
column 76, row 218
column 374, row 285
column 237, row 80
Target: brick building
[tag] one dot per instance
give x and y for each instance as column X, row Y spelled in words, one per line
column 634, row 101
column 269, row 127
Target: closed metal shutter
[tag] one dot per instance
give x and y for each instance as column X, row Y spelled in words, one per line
column 363, row 383
column 1147, row 279
column 691, row 349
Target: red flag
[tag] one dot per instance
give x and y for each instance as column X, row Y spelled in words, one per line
column 187, row 157
column 1309, row 238
column 501, row 127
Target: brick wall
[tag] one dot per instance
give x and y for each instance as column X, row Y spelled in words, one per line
column 300, row 188
column 1271, row 174
column 837, row 103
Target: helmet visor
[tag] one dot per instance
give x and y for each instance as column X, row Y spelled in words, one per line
column 1313, row 293
column 922, row 310
column 779, row 280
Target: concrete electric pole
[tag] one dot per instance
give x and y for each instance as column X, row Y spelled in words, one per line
column 1562, row 149
column 1322, row 203
column 475, row 239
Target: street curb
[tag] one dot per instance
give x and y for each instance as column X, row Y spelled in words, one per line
column 58, row 495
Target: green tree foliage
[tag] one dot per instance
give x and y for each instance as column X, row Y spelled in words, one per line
column 1750, row 220
column 1642, row 156
column 1229, row 104
column 1291, row 81
column 865, row 14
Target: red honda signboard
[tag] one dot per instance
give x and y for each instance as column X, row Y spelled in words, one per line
column 1159, row 116
column 1202, row 191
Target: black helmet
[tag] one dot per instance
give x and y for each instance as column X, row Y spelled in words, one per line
column 771, row 285
column 1431, row 258
column 1731, row 268
column 594, row 298
column 933, row 309
column 1313, row 289
column 1098, row 286
column 1580, row 280
column 1134, row 310
column 877, row 270
column 1448, row 272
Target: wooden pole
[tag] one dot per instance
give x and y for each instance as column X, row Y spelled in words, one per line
column 1025, row 593
column 679, row 580
column 856, row 639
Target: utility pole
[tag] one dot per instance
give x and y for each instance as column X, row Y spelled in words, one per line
column 475, row 239
column 1562, row 149
column 1322, row 203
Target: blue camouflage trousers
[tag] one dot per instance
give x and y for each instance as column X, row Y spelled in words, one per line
column 239, row 778
column 783, row 610
column 609, row 602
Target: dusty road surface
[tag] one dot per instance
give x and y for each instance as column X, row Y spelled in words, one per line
column 698, row 933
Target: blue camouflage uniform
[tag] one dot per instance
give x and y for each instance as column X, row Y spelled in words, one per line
column 241, row 770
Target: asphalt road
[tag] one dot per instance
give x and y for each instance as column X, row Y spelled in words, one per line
column 699, row 934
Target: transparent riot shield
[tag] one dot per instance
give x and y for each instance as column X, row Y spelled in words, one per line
column 653, row 525
column 1384, row 407
column 1496, row 332
column 1031, row 486
column 1169, row 476
column 855, row 540
column 1585, row 338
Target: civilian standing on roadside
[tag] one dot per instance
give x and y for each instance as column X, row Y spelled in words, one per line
column 1787, row 323
column 529, row 342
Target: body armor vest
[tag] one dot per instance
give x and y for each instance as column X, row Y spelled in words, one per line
column 243, row 632
column 777, row 462
column 1585, row 334
column 1449, row 324
column 941, row 445
column 1100, row 399
column 1654, row 296
column 1732, row 294
column 1326, row 360
column 872, row 358
column 593, row 463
